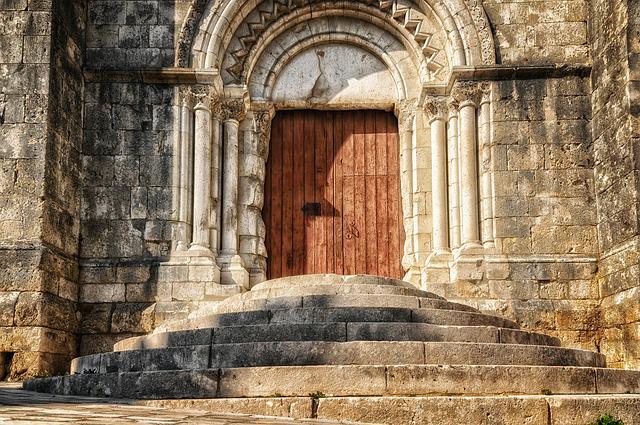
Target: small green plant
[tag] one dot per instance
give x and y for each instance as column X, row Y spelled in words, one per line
column 608, row 420
column 546, row 391
column 317, row 395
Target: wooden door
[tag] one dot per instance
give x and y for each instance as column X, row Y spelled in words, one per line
column 332, row 194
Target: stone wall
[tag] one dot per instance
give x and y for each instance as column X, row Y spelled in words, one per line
column 615, row 44
column 544, row 214
column 533, row 32
column 40, row 123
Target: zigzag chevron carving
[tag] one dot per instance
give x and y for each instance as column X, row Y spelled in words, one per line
column 411, row 19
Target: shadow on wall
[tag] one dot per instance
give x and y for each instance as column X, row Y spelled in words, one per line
column 126, row 183
column 332, row 196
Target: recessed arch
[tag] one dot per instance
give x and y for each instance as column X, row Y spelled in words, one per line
column 467, row 29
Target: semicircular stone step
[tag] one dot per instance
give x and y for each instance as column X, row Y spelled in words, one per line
column 332, row 279
column 361, row 300
column 313, row 324
column 346, row 289
column 305, row 353
column 345, row 381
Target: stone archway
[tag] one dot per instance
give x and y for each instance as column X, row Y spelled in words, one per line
column 277, row 54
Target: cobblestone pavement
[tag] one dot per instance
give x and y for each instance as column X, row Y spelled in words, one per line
column 24, row 407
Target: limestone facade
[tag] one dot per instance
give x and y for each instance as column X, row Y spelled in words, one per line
column 136, row 137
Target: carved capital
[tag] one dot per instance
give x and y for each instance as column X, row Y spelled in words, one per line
column 232, row 109
column 406, row 112
column 452, row 106
column 465, row 92
column 262, row 129
column 436, row 107
column 485, row 91
column 202, row 96
column 186, row 99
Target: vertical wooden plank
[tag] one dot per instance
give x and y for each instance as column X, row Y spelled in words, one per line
column 360, row 193
column 350, row 231
column 382, row 230
column 328, row 215
column 396, row 229
column 297, row 187
column 266, row 211
column 320, row 183
column 275, row 192
column 309, row 189
column 371, row 240
column 338, row 195
column 287, row 195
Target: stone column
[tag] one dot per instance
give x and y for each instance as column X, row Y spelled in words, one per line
column 216, row 149
column 454, row 188
column 436, row 110
column 486, row 186
column 251, row 227
column 406, row 112
column 233, row 271
column 185, row 174
column 202, row 175
column 466, row 94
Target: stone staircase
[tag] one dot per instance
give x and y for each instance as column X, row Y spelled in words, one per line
column 357, row 348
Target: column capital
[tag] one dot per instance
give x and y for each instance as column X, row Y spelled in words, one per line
column 436, row 108
column 406, row 111
column 466, row 92
column 202, row 96
column 262, row 129
column 232, row 109
column 485, row 93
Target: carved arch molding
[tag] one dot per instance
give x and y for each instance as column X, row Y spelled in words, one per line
column 404, row 47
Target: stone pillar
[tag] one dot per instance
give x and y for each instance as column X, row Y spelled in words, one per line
column 251, row 227
column 468, row 167
column 454, row 188
column 185, row 174
column 216, row 149
column 233, row 271
column 436, row 110
column 405, row 112
column 202, row 176
column 486, row 184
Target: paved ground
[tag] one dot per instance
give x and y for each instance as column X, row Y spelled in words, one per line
column 23, row 407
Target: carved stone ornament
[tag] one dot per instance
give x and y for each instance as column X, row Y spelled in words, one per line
column 406, row 112
column 232, row 109
column 466, row 91
column 485, row 90
column 200, row 96
column 262, row 130
column 436, row 107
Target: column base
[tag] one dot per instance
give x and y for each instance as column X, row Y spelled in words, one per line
column 233, row 272
column 413, row 276
column 473, row 248
column 196, row 250
column 437, row 270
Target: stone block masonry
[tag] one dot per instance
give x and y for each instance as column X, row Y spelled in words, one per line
column 132, row 190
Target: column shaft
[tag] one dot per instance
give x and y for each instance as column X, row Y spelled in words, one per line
column 214, row 225
column 486, row 188
column 469, row 174
column 230, row 188
column 439, row 185
column 202, row 177
column 454, row 188
column 185, row 175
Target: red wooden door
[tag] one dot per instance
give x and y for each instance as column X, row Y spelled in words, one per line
column 332, row 194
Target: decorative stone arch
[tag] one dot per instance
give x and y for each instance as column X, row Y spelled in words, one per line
column 226, row 126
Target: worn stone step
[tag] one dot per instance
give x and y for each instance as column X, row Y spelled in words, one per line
column 333, row 353
column 313, row 323
column 343, row 381
column 362, row 300
column 324, row 314
column 430, row 410
column 289, row 330
column 332, row 279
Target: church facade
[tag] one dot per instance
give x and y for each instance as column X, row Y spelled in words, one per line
column 159, row 156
